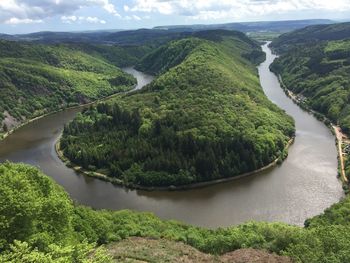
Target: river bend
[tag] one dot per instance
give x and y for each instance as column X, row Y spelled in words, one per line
column 303, row 186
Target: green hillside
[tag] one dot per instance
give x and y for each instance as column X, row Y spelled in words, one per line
column 167, row 56
column 321, row 74
column 311, row 35
column 120, row 56
column 36, row 79
column 318, row 72
column 162, row 59
column 205, row 117
column 42, row 224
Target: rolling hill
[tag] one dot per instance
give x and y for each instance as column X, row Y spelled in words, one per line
column 37, row 79
column 161, row 34
column 311, row 35
column 259, row 26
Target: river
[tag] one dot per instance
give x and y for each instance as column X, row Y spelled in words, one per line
column 303, row 186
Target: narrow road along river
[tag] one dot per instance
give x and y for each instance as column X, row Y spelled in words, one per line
column 303, row 186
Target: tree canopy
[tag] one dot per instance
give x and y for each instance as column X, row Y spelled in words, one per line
column 204, row 117
column 37, row 79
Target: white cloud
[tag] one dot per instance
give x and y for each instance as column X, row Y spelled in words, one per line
column 69, row 19
column 222, row 9
column 36, row 10
column 106, row 5
column 16, row 21
column 81, row 19
column 95, row 20
column 163, row 7
column 132, row 17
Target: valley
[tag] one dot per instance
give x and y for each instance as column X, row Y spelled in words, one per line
column 314, row 144
column 193, row 143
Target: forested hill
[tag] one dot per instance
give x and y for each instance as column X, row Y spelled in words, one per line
column 319, row 72
column 168, row 56
column 37, row 79
column 311, row 35
column 205, row 117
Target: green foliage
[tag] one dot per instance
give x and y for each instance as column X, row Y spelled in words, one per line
column 172, row 54
column 338, row 214
column 37, row 79
column 32, row 207
column 26, row 192
column 315, row 64
column 37, row 220
column 81, row 253
column 320, row 73
column 120, row 56
column 145, row 37
column 167, row 56
column 204, row 118
column 311, row 35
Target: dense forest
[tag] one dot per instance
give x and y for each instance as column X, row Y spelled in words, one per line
column 311, row 35
column 320, row 73
column 205, row 117
column 43, row 224
column 37, row 79
column 317, row 69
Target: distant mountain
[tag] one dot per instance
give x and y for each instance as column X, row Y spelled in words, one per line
column 7, row 37
column 159, row 35
column 59, row 37
column 128, row 37
column 275, row 26
column 145, row 36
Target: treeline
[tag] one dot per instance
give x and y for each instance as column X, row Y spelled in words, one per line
column 37, row 79
column 204, row 118
column 43, row 224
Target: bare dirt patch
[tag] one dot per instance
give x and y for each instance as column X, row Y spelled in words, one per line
column 9, row 121
column 141, row 250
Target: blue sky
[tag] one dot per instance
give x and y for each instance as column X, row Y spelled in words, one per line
column 23, row 16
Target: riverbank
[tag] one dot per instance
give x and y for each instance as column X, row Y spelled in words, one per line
column 335, row 129
column 119, row 182
column 299, row 189
column 339, row 136
column 5, row 135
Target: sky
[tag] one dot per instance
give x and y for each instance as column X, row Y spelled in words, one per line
column 24, row 16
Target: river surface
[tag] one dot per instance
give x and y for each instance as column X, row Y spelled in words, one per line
column 303, row 186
